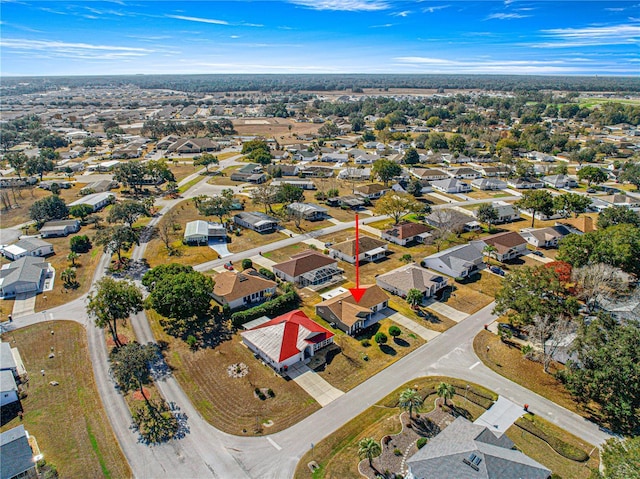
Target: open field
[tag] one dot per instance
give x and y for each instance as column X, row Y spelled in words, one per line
column 25, row 197
column 67, row 420
column 337, row 454
column 230, row 404
column 509, row 362
column 182, row 169
column 277, row 128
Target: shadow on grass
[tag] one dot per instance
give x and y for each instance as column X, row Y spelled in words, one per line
column 386, row 349
column 400, row 342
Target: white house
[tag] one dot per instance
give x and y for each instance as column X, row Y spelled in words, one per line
column 404, row 233
column 286, row 340
column 452, row 186
column 8, row 388
column 560, row 181
column 97, row 200
column 488, row 184
column 400, row 281
column 506, row 212
column 199, row 232
column 459, row 261
column 59, row 228
column 24, row 275
column 308, row 268
column 508, row 245
column 544, row 237
column 27, row 247
column 369, row 249
column 256, row 221
column 308, row 211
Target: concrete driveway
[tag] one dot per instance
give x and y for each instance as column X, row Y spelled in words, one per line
column 500, row 416
column 24, row 304
column 220, row 247
column 447, row 311
column 425, row 333
column 313, row 384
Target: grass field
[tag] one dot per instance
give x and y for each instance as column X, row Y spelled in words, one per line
column 230, row 404
column 67, row 420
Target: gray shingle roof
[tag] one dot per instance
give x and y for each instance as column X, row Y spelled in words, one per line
column 26, row 269
column 15, row 453
column 468, row 451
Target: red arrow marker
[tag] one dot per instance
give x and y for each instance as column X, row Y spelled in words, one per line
column 357, row 292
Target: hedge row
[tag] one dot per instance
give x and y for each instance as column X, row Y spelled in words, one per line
column 566, row 450
column 273, row 307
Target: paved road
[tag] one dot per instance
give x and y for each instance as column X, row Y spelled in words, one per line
column 207, row 452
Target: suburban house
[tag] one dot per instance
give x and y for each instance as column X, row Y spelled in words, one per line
column 452, row 186
column 446, row 218
column 335, row 157
column 464, row 173
column 621, row 200
column 251, row 173
column 286, row 340
column 59, row 228
column 350, row 316
column 25, row 275
column 96, row 200
column 356, row 174
column 16, row 456
column 525, row 183
column 308, row 211
column 369, row 249
column 506, row 212
column 372, row 191
column 559, row 181
column 365, row 159
column 27, row 247
column 490, row 171
column 308, row 268
column 256, row 221
column 508, row 245
column 544, row 237
column 467, row 450
column 459, row 261
column 192, row 145
column 400, row 281
column 304, row 184
column 8, row 388
column 488, row 184
column 428, row 174
column 241, row 289
column 10, row 360
column 199, row 232
column 348, row 201
column 282, row 169
column 405, row 233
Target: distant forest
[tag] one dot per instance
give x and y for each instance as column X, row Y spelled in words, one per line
column 348, row 83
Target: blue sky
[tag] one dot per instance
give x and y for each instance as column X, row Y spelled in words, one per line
column 320, row 36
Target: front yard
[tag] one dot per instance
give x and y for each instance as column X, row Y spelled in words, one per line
column 230, row 403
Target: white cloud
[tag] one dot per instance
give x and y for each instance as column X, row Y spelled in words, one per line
column 612, row 9
column 505, row 16
column 404, row 13
column 590, row 36
column 441, row 65
column 344, row 5
column 385, row 25
column 199, row 20
column 435, row 8
column 85, row 51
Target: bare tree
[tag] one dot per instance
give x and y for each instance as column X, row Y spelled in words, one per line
column 265, row 195
column 166, row 229
column 598, row 283
column 548, row 334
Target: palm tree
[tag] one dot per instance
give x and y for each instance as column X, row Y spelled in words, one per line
column 490, row 250
column 410, row 400
column 369, row 448
column 72, row 256
column 445, row 391
column 69, row 277
column 414, row 297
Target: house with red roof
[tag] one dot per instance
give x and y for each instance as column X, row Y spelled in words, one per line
column 287, row 339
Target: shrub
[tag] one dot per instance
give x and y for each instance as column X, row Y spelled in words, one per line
column 395, row 331
column 421, row 442
column 192, row 341
column 313, row 247
column 366, row 343
column 407, row 258
column 267, row 274
column 271, row 393
column 278, row 305
column 564, row 449
column 80, row 244
column 526, row 349
column 247, row 263
column 397, row 452
column 380, row 338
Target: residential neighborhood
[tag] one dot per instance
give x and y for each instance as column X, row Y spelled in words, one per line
column 243, row 280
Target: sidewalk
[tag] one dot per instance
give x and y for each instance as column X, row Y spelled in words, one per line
column 313, row 384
